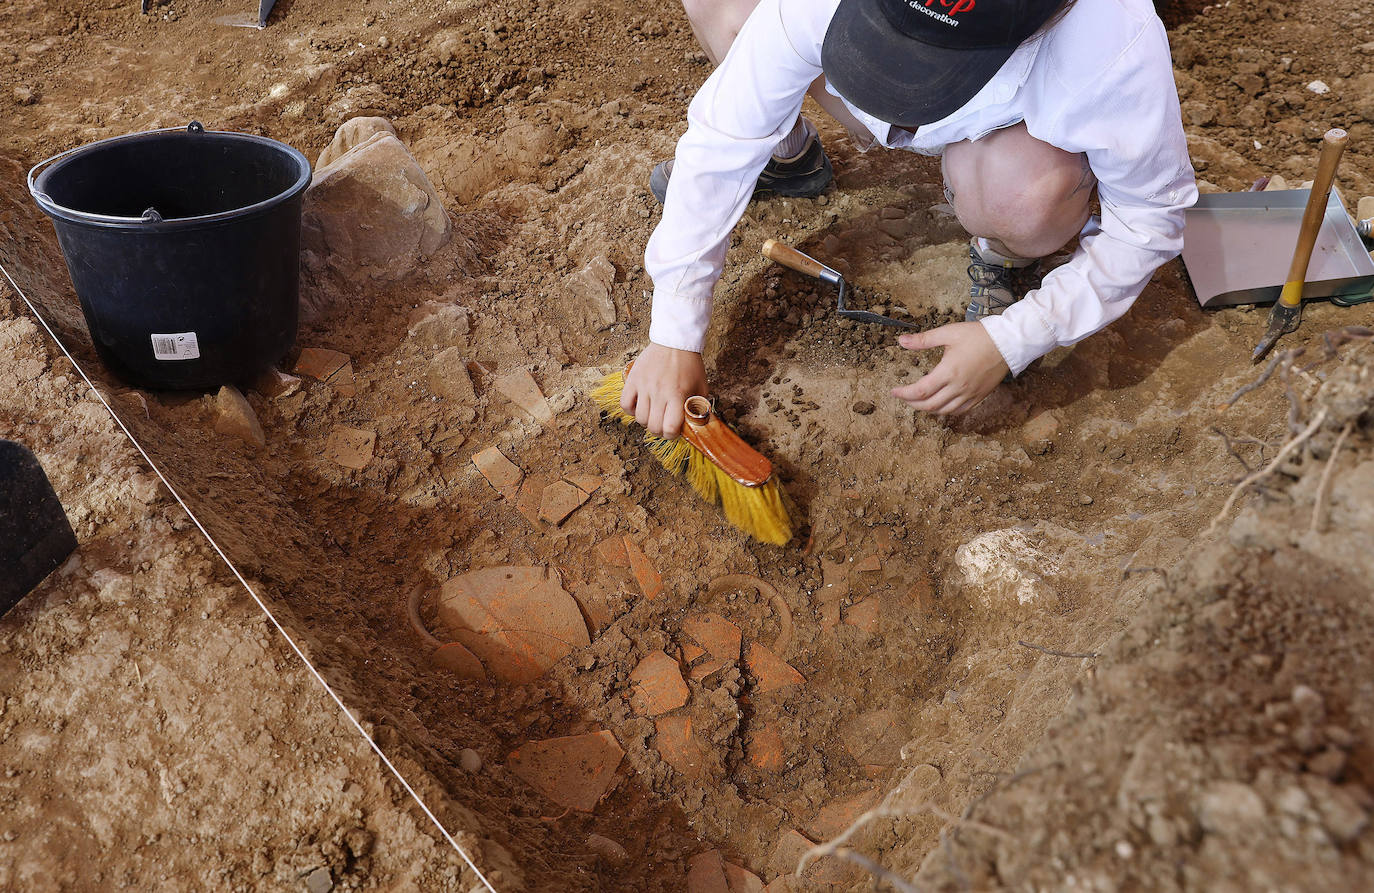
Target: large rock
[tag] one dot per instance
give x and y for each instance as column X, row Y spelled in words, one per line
column 354, row 132
column 371, row 208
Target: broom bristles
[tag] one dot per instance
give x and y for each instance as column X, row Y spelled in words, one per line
column 758, row 511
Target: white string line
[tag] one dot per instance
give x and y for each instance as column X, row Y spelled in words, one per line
column 261, row 604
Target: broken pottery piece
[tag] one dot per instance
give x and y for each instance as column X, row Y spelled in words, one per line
column 595, row 611
column 448, row 377
column 560, row 499
column 519, row 387
column 587, row 483
column 764, row 748
column 459, row 661
column 575, row 772
column 706, row 873
column 500, row 472
column 612, row 552
column 658, row 685
column 678, row 746
column 518, row 620
column 329, row 366
column 714, row 633
column 864, row 615
column 834, row 589
column 275, row 384
column 350, row 447
column 531, row 494
column 867, row 565
column 771, row 671
column 741, row 879
column 650, row 583
column 706, row 668
column 837, row 815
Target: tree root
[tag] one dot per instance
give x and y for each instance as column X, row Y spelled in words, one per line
column 1264, row 472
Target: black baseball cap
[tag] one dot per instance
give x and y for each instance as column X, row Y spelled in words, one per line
column 912, row 62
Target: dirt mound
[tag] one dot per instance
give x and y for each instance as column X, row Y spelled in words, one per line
column 1226, row 736
column 763, row 698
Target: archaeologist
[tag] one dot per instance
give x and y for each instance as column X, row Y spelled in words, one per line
column 1032, row 104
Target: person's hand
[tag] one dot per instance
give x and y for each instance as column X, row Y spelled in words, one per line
column 659, row 383
column 969, row 370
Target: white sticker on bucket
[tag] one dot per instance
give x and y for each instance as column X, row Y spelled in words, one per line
column 176, row 346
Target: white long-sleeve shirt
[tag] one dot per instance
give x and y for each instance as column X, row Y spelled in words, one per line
column 1100, row 82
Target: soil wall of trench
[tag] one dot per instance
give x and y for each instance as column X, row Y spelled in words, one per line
column 938, row 564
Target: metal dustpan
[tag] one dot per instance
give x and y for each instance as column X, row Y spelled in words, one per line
column 1237, row 247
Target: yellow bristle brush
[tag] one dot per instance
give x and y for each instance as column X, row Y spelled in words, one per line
column 721, row 467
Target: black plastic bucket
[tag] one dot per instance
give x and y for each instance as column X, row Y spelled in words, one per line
column 184, row 249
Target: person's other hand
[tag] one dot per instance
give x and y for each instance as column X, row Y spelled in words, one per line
column 969, row 370
column 659, row 383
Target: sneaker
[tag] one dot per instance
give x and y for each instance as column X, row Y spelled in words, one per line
column 999, row 280
column 805, row 175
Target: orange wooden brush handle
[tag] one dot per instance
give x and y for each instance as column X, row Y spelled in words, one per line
column 726, row 450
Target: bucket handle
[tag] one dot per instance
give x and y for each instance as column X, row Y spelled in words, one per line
column 45, row 201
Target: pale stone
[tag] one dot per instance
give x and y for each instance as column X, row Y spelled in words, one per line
column 236, row 417
column 372, row 210
column 520, row 388
column 1002, row 566
column 353, row 132
column 589, row 289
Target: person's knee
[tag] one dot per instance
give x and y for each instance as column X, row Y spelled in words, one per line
column 705, row 10
column 1035, row 222
column 1028, row 195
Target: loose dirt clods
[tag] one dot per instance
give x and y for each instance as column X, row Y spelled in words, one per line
column 157, row 734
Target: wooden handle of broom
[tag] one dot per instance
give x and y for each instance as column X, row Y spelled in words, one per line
column 793, row 259
column 1333, row 144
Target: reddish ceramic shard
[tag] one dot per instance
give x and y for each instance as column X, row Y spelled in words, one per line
column 329, row 366
column 500, row 472
column 679, row 746
column 650, row 583
column 518, row 620
column 576, row 771
column 658, row 685
column 714, row 633
column 458, row 660
column 771, row 671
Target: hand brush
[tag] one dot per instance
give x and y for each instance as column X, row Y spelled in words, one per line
column 720, row 466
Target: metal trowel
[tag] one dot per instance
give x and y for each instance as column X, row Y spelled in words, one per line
column 35, row 536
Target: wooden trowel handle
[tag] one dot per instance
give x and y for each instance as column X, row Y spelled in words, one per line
column 794, row 260
column 1333, row 144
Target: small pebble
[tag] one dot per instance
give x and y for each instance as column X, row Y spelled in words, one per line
column 469, row 760
column 863, row 407
column 1085, row 499
column 319, row 881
